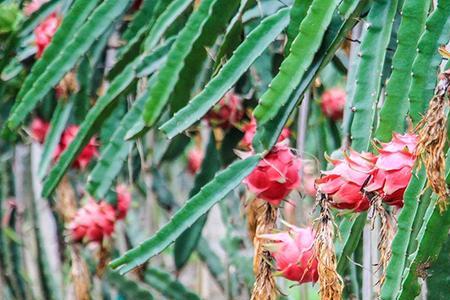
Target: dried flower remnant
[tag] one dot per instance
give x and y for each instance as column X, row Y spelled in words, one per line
column 432, row 132
column 264, row 287
column 331, row 284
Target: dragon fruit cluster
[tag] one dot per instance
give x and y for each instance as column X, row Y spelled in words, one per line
column 293, row 253
column 358, row 175
column 39, row 129
column 96, row 221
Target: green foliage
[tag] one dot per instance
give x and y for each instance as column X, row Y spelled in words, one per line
column 186, row 243
column 425, row 66
column 195, row 207
column 228, row 75
column 373, row 49
column 395, row 105
column 293, row 68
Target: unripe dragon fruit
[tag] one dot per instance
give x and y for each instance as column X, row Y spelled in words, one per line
column 333, row 103
column 249, row 130
column 344, row 183
column 93, row 222
column 123, row 201
column 394, row 168
column 44, row 32
column 33, row 6
column 39, row 129
column 276, row 175
column 225, row 113
column 293, row 253
column 86, row 155
column 195, row 159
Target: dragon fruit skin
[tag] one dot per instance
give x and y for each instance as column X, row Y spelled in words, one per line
column 225, row 113
column 93, row 222
column 45, row 31
column 333, row 103
column 293, row 253
column 275, row 176
column 393, row 170
column 345, row 182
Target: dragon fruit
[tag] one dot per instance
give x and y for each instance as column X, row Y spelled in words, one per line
column 86, row 155
column 44, row 32
column 394, row 168
column 33, row 6
column 93, row 222
column 249, row 130
column 293, row 253
column 345, row 182
column 275, row 176
column 195, row 159
column 123, row 201
column 39, row 129
column 225, row 113
column 333, row 103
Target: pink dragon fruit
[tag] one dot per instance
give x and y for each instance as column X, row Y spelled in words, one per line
column 93, row 222
column 333, row 103
column 44, row 32
column 344, row 183
column 394, row 168
column 123, row 201
column 275, row 176
column 33, row 6
column 86, row 155
column 225, row 113
column 195, row 159
column 293, row 253
column 39, row 129
column 249, row 130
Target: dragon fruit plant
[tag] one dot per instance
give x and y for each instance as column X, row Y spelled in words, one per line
column 224, row 149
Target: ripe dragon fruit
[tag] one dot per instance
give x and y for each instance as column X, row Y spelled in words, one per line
column 293, row 253
column 39, row 129
column 225, row 113
column 275, row 176
column 123, row 201
column 333, row 103
column 344, row 183
column 249, row 130
column 394, row 168
column 93, row 222
column 195, row 159
column 33, row 6
column 86, row 155
column 44, row 32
